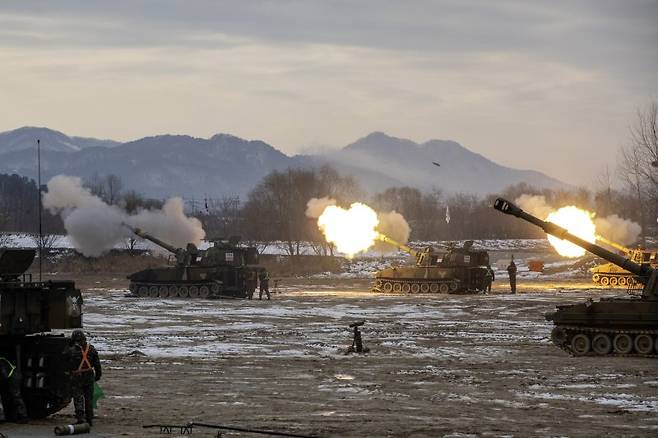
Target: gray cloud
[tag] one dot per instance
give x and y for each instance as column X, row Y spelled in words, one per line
column 562, row 75
column 590, row 28
column 618, row 37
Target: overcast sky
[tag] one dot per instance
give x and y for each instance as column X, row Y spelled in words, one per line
column 551, row 85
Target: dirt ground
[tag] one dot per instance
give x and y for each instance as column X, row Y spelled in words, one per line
column 439, row 365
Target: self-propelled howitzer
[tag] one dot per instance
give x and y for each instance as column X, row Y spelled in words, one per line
column 611, row 326
column 611, row 275
column 226, row 270
column 459, row 270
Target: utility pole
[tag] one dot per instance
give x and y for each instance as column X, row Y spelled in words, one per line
column 39, row 208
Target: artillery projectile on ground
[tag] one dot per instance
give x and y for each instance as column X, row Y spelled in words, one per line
column 611, row 275
column 611, row 326
column 459, row 270
column 30, row 309
column 226, row 270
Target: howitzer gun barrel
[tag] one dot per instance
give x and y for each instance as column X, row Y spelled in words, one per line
column 145, row 235
column 508, row 207
column 615, row 245
column 397, row 244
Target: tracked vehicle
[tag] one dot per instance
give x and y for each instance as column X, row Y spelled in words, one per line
column 611, row 275
column 226, row 270
column 617, row 326
column 459, row 270
column 29, row 310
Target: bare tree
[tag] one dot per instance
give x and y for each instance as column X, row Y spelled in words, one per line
column 221, row 217
column 344, row 189
column 603, row 196
column 644, row 138
column 96, row 185
column 132, row 201
column 637, row 165
column 258, row 217
column 107, row 187
column 113, row 187
column 45, row 241
column 275, row 208
column 631, row 172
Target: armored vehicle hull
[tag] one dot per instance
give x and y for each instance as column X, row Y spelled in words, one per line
column 611, row 326
column 460, row 270
column 626, row 326
column 410, row 279
column 611, row 275
column 190, row 282
column 28, row 311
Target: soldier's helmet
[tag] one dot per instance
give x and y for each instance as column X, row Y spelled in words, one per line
column 78, row 337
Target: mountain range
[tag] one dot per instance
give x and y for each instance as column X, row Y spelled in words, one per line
column 223, row 164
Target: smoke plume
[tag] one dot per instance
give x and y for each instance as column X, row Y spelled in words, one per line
column 618, row 229
column 95, row 227
column 315, row 206
column 535, row 205
column 393, row 225
column 613, row 227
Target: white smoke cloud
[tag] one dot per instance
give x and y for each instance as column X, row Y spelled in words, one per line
column 618, row 229
column 95, row 227
column 395, row 226
column 613, row 227
column 536, row 205
column 315, row 206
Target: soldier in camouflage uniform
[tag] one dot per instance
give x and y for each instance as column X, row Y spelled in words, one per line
column 511, row 270
column 251, row 282
column 85, row 369
column 489, row 277
column 264, row 279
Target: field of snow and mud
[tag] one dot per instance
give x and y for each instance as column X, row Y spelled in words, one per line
column 438, row 366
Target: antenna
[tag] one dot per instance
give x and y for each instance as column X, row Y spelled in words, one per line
column 39, row 207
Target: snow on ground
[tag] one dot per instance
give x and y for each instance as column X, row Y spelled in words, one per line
column 202, row 328
column 25, row 240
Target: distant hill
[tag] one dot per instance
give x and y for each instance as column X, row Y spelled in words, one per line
column 54, row 141
column 409, row 163
column 166, row 165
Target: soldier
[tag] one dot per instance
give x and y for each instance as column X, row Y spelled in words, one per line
column 85, row 368
column 10, row 385
column 489, row 278
column 264, row 279
column 511, row 270
column 251, row 283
